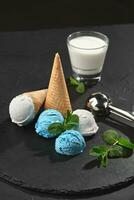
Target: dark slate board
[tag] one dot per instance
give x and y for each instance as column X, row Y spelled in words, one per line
column 30, row 161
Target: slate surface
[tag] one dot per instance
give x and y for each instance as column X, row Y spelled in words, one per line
column 29, row 160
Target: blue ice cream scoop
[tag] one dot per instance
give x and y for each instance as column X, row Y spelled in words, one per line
column 46, row 118
column 70, row 142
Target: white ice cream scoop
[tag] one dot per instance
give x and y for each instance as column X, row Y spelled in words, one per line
column 87, row 124
column 23, row 108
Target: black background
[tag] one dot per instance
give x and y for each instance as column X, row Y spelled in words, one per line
column 22, row 15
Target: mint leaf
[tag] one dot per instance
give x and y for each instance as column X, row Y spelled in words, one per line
column 98, row 150
column 78, row 85
column 116, row 151
column 70, row 125
column 125, row 142
column 67, row 117
column 71, row 121
column 73, row 81
column 110, row 136
column 80, row 88
column 74, row 118
column 101, row 152
column 56, row 128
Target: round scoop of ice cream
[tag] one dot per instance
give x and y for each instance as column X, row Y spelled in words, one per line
column 87, row 124
column 21, row 110
column 70, row 142
column 46, row 118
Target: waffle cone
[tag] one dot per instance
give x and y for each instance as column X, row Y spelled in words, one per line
column 38, row 98
column 57, row 95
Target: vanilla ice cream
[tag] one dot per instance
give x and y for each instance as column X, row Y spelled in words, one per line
column 87, row 124
column 21, row 110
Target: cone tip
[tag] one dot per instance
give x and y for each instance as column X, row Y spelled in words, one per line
column 57, row 56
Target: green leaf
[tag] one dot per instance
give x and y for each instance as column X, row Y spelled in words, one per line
column 71, row 121
column 74, row 118
column 56, row 128
column 101, row 152
column 67, row 117
column 73, row 81
column 71, row 125
column 125, row 142
column 116, row 151
column 98, row 150
column 110, row 136
column 78, row 85
column 80, row 88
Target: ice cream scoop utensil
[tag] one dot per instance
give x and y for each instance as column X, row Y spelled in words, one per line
column 100, row 104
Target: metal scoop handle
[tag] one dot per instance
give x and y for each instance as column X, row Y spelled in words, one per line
column 122, row 113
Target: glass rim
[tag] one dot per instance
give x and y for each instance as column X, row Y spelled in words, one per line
column 88, row 32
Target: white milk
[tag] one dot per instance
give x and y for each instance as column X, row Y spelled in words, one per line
column 87, row 54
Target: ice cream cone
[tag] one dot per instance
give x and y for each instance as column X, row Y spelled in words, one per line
column 24, row 107
column 38, row 97
column 57, row 94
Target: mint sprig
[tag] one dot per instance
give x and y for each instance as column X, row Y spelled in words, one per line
column 79, row 86
column 71, row 121
column 101, row 152
column 116, row 147
column 112, row 137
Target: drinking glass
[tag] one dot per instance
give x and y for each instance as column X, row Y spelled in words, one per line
column 87, row 51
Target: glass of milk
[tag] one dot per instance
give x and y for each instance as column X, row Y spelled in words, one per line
column 87, row 51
